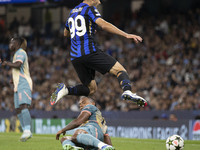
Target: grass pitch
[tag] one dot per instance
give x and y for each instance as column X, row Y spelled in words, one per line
column 10, row 141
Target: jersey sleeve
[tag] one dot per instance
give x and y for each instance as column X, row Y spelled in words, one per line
column 89, row 109
column 67, row 25
column 94, row 13
column 20, row 56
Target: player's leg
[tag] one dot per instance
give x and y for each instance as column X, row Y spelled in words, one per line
column 26, row 116
column 119, row 71
column 25, row 98
column 26, row 121
column 67, row 144
column 19, row 115
column 18, row 110
column 104, row 63
column 89, row 137
column 88, row 86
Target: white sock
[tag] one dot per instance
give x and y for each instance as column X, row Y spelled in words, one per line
column 66, row 91
column 101, row 144
column 28, row 131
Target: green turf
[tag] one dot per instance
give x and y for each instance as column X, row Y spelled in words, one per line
column 10, row 141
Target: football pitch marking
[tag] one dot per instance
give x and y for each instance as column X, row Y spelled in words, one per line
column 122, row 140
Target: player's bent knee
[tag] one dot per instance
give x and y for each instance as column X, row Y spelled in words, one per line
column 93, row 87
column 92, row 91
column 65, row 138
column 77, row 132
column 117, row 68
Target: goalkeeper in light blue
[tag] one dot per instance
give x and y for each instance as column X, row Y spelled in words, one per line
column 22, row 84
column 90, row 129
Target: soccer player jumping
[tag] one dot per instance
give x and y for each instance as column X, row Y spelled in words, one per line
column 87, row 58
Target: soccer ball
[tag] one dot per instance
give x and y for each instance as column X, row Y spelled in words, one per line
column 174, row 142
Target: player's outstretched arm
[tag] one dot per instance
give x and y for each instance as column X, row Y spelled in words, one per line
column 82, row 118
column 10, row 64
column 113, row 29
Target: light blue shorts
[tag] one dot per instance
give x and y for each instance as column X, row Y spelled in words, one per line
column 94, row 131
column 23, row 96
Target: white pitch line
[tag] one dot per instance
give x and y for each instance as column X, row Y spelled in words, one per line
column 121, row 140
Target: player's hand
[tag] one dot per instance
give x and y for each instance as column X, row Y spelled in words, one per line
column 3, row 63
column 59, row 133
column 135, row 38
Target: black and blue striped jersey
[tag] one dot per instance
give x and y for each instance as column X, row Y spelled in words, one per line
column 81, row 24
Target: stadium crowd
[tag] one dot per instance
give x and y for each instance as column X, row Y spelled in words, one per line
column 164, row 69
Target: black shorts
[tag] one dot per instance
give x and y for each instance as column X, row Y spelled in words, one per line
column 86, row 65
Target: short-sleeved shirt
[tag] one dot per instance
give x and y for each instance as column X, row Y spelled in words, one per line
column 82, row 27
column 21, row 77
column 95, row 118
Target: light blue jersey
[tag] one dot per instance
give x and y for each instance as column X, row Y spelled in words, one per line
column 96, row 125
column 21, row 79
column 95, row 117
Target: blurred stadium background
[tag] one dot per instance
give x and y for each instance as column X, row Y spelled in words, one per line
column 165, row 68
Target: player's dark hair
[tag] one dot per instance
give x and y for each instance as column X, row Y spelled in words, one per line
column 19, row 39
column 90, row 99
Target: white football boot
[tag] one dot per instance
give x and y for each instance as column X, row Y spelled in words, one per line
column 26, row 135
column 107, row 147
column 128, row 95
column 61, row 91
column 70, row 147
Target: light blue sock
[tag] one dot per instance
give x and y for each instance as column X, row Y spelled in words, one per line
column 68, row 142
column 26, row 119
column 88, row 140
column 21, row 120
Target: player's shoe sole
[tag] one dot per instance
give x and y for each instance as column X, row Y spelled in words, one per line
column 69, row 147
column 128, row 95
column 58, row 94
